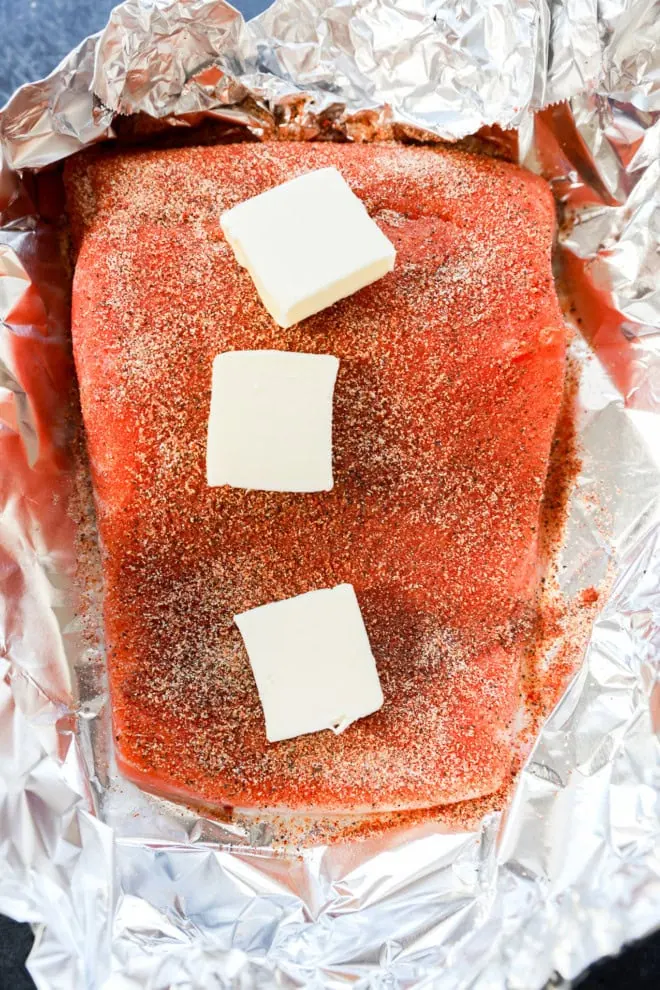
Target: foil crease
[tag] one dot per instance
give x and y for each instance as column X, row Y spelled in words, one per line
column 125, row 890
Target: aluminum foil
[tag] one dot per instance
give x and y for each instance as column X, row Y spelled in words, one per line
column 127, row 891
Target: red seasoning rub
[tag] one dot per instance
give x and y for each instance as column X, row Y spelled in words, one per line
column 446, row 401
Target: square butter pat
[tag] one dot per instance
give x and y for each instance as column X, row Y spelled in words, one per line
column 306, row 244
column 270, row 425
column 312, row 662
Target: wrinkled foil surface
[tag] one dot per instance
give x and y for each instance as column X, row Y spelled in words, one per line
column 128, row 891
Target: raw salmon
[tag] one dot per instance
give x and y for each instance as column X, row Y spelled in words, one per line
column 447, row 397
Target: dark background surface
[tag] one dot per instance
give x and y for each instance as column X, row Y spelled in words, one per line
column 34, row 36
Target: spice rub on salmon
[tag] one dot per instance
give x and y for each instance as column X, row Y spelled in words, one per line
column 448, row 392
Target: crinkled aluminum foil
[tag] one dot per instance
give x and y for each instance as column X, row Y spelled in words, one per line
column 127, row 891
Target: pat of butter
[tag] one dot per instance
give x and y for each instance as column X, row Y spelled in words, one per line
column 311, row 659
column 306, row 244
column 270, row 424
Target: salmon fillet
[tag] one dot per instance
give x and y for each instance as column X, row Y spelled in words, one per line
column 447, row 397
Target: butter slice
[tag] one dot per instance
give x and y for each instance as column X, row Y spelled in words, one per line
column 311, row 659
column 270, row 424
column 306, row 244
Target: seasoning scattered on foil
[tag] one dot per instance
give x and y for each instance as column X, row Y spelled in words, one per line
column 130, row 891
